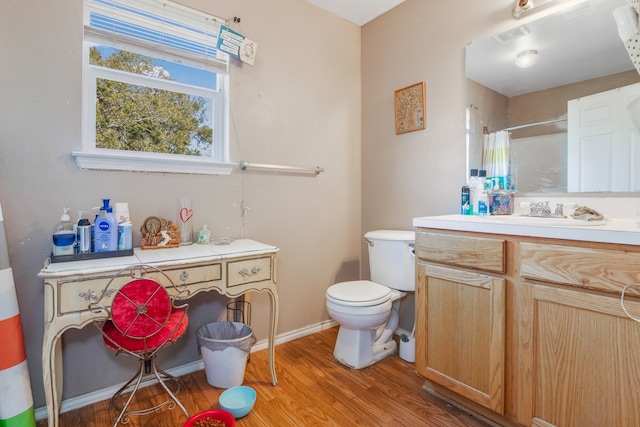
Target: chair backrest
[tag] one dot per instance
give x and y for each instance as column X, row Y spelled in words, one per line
column 141, row 308
column 142, row 317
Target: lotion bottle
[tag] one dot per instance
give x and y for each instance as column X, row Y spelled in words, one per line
column 105, row 229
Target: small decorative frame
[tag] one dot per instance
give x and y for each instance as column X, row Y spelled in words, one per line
column 410, row 108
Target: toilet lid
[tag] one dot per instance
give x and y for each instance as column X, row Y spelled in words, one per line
column 359, row 293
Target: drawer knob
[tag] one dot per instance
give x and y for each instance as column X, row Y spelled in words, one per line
column 183, row 277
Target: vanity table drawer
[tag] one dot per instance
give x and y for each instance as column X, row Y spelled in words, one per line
column 196, row 276
column 598, row 269
column 248, row 271
column 483, row 253
column 74, row 295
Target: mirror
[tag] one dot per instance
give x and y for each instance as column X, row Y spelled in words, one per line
column 579, row 54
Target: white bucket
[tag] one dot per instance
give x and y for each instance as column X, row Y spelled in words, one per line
column 408, row 349
column 224, row 368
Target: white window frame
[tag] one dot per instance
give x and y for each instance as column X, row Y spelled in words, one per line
column 91, row 157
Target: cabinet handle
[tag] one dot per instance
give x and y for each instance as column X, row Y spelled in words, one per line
column 92, row 296
column 245, row 272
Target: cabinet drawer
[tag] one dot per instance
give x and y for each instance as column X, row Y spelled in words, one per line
column 483, row 253
column 248, row 271
column 599, row 269
column 74, row 295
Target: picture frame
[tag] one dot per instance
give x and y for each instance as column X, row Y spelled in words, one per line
column 409, row 107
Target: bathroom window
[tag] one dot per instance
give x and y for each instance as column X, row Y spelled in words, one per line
column 155, row 89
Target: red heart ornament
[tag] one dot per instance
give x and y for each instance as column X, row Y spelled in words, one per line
column 185, row 214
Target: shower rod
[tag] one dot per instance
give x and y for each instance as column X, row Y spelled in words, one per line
column 528, row 125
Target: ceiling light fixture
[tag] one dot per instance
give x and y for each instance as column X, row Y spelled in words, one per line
column 528, row 7
column 527, row 58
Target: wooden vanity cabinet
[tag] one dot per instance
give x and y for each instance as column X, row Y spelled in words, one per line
column 525, row 331
column 460, row 315
column 580, row 350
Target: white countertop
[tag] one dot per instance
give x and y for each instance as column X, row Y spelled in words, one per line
column 612, row 230
column 182, row 254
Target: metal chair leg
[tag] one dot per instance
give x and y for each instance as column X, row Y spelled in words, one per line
column 124, row 413
column 159, row 373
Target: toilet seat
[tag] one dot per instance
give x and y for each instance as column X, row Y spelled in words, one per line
column 358, row 293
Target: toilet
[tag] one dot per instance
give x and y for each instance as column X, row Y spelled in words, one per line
column 368, row 310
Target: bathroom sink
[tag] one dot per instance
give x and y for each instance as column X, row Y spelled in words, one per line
column 538, row 221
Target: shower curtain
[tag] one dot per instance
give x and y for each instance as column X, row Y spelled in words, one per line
column 496, row 159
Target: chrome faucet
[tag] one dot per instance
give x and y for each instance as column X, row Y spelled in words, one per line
column 540, row 209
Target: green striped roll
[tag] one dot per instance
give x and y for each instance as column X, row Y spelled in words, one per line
column 16, row 400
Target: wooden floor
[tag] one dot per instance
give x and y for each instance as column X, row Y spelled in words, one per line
column 313, row 390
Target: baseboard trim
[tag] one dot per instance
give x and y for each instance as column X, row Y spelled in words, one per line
column 83, row 400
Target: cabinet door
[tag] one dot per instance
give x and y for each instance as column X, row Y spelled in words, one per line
column 585, row 358
column 460, row 332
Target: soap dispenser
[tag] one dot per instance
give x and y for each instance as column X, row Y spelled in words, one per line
column 204, row 236
column 64, row 238
column 105, row 237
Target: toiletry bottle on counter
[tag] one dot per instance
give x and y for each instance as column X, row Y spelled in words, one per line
column 465, row 199
column 204, row 236
column 64, row 238
column 474, row 184
column 125, row 236
column 122, row 212
column 483, row 193
column 125, row 227
column 105, row 230
column 83, row 235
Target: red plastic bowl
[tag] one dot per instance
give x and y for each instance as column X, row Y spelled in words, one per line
column 216, row 414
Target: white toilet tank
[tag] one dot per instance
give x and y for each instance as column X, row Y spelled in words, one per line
column 392, row 258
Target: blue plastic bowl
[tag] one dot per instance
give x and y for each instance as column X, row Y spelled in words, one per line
column 238, row 400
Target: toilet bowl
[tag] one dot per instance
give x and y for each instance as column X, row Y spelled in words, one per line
column 359, row 304
column 368, row 310
column 363, row 321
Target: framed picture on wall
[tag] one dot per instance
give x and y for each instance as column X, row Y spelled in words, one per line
column 410, row 108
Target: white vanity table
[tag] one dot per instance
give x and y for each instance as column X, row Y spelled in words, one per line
column 231, row 270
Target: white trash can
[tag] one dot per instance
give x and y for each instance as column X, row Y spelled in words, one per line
column 408, row 348
column 224, row 347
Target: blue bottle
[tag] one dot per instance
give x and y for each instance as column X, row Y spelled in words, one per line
column 105, row 231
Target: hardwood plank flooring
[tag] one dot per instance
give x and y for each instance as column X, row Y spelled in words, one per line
column 313, row 390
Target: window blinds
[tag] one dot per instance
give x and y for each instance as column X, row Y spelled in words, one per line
column 156, row 28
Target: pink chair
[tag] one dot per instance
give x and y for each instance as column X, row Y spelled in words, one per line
column 142, row 319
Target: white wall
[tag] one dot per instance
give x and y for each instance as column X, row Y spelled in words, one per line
column 298, row 105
